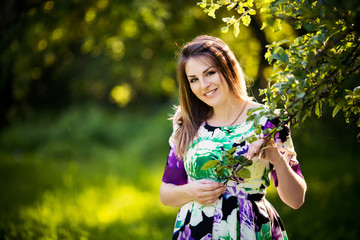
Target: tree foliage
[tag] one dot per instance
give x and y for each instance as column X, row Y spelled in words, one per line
column 313, row 71
column 319, row 68
column 57, row 53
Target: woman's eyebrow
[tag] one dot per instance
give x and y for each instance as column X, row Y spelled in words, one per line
column 203, row 72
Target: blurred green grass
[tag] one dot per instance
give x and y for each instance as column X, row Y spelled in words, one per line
column 94, row 173
column 87, row 173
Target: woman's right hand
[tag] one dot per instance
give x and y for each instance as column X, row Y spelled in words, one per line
column 206, row 191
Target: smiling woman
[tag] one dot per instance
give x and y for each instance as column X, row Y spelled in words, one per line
column 208, row 85
column 209, row 125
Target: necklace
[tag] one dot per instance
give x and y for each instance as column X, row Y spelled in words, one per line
column 243, row 108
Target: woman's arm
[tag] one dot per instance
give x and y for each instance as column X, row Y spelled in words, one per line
column 291, row 187
column 203, row 191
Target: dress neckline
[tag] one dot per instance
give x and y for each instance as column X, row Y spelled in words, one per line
column 212, row 128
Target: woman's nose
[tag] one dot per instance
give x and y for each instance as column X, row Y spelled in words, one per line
column 204, row 83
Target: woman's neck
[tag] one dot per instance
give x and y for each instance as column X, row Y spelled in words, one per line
column 228, row 114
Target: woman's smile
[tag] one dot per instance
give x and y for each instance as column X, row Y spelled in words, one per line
column 206, row 81
column 210, row 93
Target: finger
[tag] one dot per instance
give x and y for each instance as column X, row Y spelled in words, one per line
column 206, row 194
column 211, row 186
column 253, row 149
column 256, row 147
column 210, row 200
column 203, row 199
column 209, row 193
column 206, row 198
column 206, row 181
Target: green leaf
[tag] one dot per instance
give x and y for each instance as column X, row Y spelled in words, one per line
column 226, row 19
column 277, row 25
column 210, row 164
column 236, row 29
column 268, row 54
column 318, row 108
column 282, row 42
column 232, row 150
column 231, row 6
column 261, row 92
column 219, row 170
column 246, row 20
column 250, row 118
column 336, row 110
column 264, row 25
column 252, row 139
column 225, row 29
column 280, row 54
column 252, row 12
column 220, row 173
column 202, row 4
column 252, row 110
column 240, row 10
column 268, row 22
column 249, row 163
column 280, row 1
column 243, row 173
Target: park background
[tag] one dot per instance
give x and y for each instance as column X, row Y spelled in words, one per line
column 86, row 91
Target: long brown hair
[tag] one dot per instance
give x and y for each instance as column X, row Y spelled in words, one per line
column 192, row 111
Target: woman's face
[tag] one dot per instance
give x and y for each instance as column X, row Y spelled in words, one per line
column 206, row 81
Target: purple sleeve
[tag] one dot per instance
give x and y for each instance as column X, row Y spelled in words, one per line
column 295, row 168
column 284, row 142
column 174, row 170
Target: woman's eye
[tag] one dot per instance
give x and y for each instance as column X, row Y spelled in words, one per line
column 210, row 73
column 193, row 80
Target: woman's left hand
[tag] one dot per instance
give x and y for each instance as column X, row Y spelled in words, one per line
column 269, row 152
column 291, row 187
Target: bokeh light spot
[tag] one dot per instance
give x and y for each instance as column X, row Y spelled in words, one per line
column 121, row 94
column 147, row 53
column 49, row 58
column 102, row 4
column 90, row 15
column 48, row 6
column 36, row 73
column 57, row 34
column 168, row 85
column 116, row 46
column 87, row 46
column 42, row 45
column 129, row 28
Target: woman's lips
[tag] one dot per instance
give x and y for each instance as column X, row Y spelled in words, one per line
column 211, row 93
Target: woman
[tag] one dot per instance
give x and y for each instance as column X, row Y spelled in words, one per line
column 210, row 120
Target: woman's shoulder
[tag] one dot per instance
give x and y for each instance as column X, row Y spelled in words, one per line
column 258, row 106
column 252, row 104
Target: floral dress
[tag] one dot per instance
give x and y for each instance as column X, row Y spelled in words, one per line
column 241, row 212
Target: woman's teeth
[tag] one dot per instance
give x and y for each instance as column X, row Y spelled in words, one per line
column 209, row 93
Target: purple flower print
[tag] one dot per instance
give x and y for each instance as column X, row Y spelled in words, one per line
column 268, row 124
column 218, row 215
column 276, row 233
column 207, row 237
column 186, row 234
column 173, row 160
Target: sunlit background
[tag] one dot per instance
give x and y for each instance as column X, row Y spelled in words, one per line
column 86, row 91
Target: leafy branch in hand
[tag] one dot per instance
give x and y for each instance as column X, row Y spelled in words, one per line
column 319, row 68
column 312, row 71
